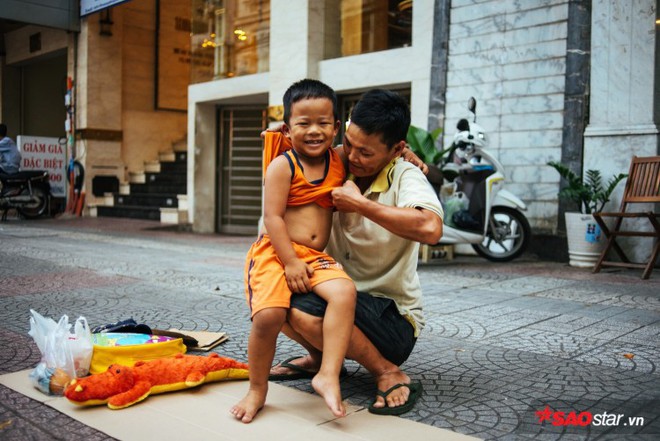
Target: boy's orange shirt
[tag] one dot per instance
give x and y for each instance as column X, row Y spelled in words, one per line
column 302, row 192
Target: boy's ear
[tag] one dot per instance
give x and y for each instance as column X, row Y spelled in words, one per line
column 286, row 130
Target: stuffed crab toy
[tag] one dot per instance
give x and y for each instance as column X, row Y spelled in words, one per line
column 122, row 386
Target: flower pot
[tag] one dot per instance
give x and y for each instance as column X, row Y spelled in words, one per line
column 585, row 240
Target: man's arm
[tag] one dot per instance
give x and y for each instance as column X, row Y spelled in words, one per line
column 415, row 224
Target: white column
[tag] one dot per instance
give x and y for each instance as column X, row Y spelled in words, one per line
column 296, row 44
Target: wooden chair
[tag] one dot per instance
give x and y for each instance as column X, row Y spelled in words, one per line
column 643, row 186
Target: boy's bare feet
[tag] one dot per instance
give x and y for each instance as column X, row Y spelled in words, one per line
column 246, row 409
column 328, row 387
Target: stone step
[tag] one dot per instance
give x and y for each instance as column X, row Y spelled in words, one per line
column 147, row 199
column 173, row 167
column 173, row 157
column 152, row 166
column 158, row 188
column 130, row 211
column 166, row 178
column 158, row 192
column 173, row 216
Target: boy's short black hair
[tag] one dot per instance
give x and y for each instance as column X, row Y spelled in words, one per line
column 382, row 112
column 308, row 89
column 3, row 130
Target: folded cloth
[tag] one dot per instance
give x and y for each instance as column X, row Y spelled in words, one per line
column 127, row 326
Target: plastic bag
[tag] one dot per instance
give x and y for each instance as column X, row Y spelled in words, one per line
column 64, row 355
column 447, row 191
column 457, row 202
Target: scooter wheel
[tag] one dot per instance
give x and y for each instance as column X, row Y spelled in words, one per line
column 507, row 237
column 38, row 207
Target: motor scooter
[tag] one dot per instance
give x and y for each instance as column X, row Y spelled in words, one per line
column 478, row 210
column 26, row 191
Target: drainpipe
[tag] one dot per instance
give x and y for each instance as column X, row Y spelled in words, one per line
column 437, row 103
column 576, row 92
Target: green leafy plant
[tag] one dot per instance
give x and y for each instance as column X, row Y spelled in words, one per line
column 589, row 193
column 422, row 143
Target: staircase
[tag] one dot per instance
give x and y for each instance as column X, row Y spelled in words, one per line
column 157, row 193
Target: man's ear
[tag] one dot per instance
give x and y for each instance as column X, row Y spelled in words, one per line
column 397, row 149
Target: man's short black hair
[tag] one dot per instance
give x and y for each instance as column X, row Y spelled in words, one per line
column 308, row 89
column 384, row 113
column 3, row 130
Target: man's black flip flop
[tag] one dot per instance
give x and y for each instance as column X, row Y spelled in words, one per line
column 298, row 372
column 415, row 392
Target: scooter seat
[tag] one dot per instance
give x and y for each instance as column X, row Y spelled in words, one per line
column 22, row 175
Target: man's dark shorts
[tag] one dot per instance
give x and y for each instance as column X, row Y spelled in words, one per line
column 377, row 317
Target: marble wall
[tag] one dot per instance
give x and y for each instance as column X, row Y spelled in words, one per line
column 623, row 66
column 511, row 57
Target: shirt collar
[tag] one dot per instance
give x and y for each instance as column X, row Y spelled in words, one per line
column 383, row 181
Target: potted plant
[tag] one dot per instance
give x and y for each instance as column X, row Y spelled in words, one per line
column 422, row 143
column 585, row 241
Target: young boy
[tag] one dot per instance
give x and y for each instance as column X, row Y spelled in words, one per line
column 289, row 256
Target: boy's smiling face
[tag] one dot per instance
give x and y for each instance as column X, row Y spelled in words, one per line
column 312, row 127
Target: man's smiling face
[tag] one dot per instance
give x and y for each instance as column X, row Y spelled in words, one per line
column 367, row 154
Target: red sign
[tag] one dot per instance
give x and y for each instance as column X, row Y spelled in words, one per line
column 40, row 153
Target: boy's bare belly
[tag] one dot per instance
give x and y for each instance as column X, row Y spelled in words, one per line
column 309, row 225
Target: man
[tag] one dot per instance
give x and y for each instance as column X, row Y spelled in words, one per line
column 386, row 208
column 10, row 158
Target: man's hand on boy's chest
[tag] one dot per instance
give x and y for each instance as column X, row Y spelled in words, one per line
column 347, row 198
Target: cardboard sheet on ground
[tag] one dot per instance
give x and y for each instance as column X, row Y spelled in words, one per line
column 203, row 413
column 205, row 340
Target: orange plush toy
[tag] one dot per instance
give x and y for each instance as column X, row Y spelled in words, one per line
column 122, row 386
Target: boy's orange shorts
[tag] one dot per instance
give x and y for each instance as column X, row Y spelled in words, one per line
column 265, row 284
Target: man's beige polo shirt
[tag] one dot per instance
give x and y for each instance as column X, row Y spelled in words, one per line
column 379, row 262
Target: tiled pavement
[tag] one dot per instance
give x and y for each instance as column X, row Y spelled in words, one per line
column 502, row 340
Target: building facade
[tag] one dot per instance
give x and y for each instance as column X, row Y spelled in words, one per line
column 555, row 80
column 92, row 82
column 575, row 81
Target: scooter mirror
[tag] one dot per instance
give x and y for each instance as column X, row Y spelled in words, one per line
column 472, row 105
column 463, row 125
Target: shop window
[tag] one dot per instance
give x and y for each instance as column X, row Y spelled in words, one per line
column 363, row 26
column 229, row 38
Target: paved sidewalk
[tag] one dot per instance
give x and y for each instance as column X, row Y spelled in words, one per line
column 502, row 340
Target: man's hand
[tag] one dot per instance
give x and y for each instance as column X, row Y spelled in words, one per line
column 297, row 274
column 347, row 198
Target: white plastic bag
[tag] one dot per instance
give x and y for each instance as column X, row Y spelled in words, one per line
column 64, row 355
column 457, row 202
column 447, row 191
